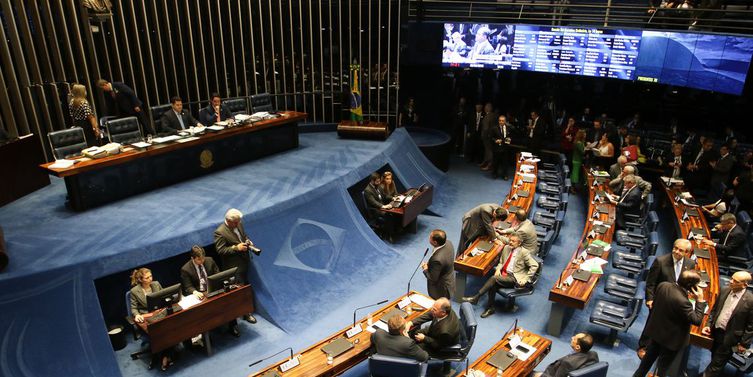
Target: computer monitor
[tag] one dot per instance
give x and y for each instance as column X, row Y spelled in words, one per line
column 218, row 281
column 164, row 298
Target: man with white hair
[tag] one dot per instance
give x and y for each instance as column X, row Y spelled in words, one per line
column 616, row 183
column 616, row 168
column 233, row 246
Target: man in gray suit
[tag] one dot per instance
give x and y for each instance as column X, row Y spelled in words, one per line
column 516, row 268
column 478, row 222
column 396, row 342
column 617, row 183
column 524, row 229
column 233, row 246
column 616, row 168
column 440, row 270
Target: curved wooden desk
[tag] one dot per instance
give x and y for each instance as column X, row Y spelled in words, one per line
column 518, row 367
column 481, row 264
column 577, row 295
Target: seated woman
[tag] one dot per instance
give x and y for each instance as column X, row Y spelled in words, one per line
column 631, row 150
column 388, row 185
column 142, row 285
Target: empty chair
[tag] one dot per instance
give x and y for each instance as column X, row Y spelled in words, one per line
column 744, row 221
column 124, row 130
column 623, row 288
column 68, row 142
column 545, row 243
column 236, row 106
column 261, row 102
column 616, row 317
column 510, row 294
column 734, row 205
column 389, row 366
column 594, row 370
column 157, row 112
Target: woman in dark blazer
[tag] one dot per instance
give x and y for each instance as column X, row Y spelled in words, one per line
column 143, row 284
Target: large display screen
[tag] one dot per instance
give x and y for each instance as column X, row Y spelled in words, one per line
column 703, row 61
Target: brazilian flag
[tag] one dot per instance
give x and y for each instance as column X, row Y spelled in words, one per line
column 356, row 112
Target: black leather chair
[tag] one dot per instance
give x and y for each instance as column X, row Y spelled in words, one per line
column 390, row 366
column 237, row 106
column 124, row 130
column 594, row 370
column 68, row 142
column 157, row 112
column 261, row 102
column 459, row 352
column 617, row 317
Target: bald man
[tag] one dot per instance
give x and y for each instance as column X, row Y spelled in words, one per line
column 444, row 330
column 730, row 322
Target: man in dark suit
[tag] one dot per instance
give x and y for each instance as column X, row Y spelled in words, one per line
column 176, row 119
column 675, row 167
column 616, row 169
column 699, row 170
column 233, row 246
column 194, row 278
column 516, row 268
column 629, row 201
column 722, row 167
column 731, row 238
column 668, row 326
column 487, row 124
column 643, row 185
column 536, row 132
column 122, row 101
column 444, row 330
column 582, row 356
column 473, row 147
column 730, row 323
column 478, row 222
column 396, row 342
column 375, row 203
column 215, row 112
column 440, row 270
column 500, row 136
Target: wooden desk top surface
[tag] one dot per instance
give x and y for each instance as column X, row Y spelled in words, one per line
column 579, row 293
column 710, row 266
column 416, row 199
column 313, row 362
column 481, row 264
column 518, row 367
column 130, row 153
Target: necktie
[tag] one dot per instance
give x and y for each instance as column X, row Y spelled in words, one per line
column 180, row 120
column 478, row 120
column 698, row 158
column 202, row 279
column 676, row 170
column 507, row 262
column 678, row 269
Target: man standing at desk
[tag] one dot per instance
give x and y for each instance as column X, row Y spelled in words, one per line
column 122, row 101
column 629, row 201
column 478, row 222
column 176, row 119
column 440, row 270
column 233, row 246
column 215, row 112
column 396, row 342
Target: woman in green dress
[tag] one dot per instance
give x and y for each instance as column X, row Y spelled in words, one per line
column 579, row 146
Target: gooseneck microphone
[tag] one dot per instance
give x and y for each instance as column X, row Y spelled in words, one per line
column 416, row 270
column 271, row 356
column 364, row 307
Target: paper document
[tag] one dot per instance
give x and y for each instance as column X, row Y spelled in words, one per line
column 593, row 265
column 141, row 144
column 165, row 139
column 379, row 324
column 62, row 164
column 188, row 301
column 242, row 117
column 423, row 301
column 192, row 138
column 216, row 127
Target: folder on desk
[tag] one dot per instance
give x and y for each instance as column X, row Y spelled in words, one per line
column 527, row 179
column 391, row 313
column 523, row 193
column 602, row 208
column 502, row 359
column 582, row 275
column 693, row 212
column 594, row 250
column 337, row 347
column 701, row 253
column 485, row 246
column 512, row 209
column 601, row 229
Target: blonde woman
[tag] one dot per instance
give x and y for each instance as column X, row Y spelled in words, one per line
column 82, row 114
column 142, row 284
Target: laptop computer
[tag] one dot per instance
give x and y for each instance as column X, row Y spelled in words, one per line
column 602, row 208
column 594, row 250
column 502, row 359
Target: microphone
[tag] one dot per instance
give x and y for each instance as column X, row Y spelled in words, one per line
column 416, row 270
column 364, row 307
column 271, row 356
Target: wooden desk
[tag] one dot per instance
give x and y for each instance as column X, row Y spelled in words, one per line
column 94, row 182
column 313, row 362
column 481, row 264
column 363, row 130
column 18, row 172
column 577, row 295
column 710, row 266
column 199, row 319
column 518, row 367
column 408, row 213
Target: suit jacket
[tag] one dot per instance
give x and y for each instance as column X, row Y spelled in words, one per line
column 472, row 123
column 440, row 275
column 740, row 325
column 722, row 169
column 495, row 133
column 138, row 298
column 374, row 200
column 208, row 117
column 524, row 266
column 574, row 361
column 224, row 240
column 122, row 100
column 399, row 345
column 616, row 185
column 539, row 133
column 170, row 124
column 439, row 334
column 615, row 170
column 189, row 279
column 702, row 175
column 732, row 242
column 672, row 315
column 662, row 270
column 478, row 221
column 527, row 232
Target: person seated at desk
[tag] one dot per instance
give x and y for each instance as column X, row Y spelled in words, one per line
column 376, row 201
column 143, row 284
column 387, row 185
column 515, row 269
column 629, row 201
column 194, row 278
column 215, row 112
column 525, row 229
column 176, row 119
column 479, row 222
column 444, row 330
column 731, row 238
column 715, row 210
column 582, row 356
column 616, row 183
column 396, row 342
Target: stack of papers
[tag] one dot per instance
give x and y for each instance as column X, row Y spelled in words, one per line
column 165, row 139
column 422, row 301
column 188, row 301
column 240, row 118
column 600, row 173
column 62, row 164
column 593, row 265
column 192, row 138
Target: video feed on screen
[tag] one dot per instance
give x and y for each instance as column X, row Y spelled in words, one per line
column 477, row 45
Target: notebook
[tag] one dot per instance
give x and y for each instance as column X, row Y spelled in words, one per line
column 484, row 246
column 391, row 313
column 701, row 253
column 522, row 193
column 501, row 359
column 337, row 347
column 582, row 275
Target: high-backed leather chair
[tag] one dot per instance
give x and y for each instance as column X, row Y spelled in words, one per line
column 157, row 112
column 261, row 102
column 68, row 142
column 390, row 366
column 237, row 106
column 124, row 130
